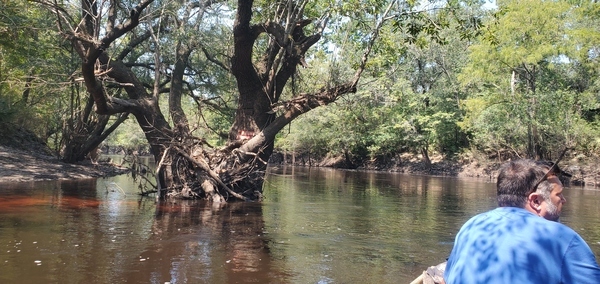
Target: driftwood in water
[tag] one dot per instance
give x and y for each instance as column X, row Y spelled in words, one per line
column 433, row 275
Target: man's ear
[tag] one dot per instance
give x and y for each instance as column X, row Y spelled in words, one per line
column 534, row 200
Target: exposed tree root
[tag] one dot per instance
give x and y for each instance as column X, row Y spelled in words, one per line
column 199, row 162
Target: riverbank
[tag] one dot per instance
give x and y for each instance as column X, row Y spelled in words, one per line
column 37, row 164
column 18, row 165
column 584, row 170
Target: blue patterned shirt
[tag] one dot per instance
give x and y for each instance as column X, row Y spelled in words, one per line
column 512, row 245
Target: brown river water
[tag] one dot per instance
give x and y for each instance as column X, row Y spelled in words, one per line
column 314, row 226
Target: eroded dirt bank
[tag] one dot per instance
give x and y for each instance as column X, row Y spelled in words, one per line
column 584, row 169
column 18, row 165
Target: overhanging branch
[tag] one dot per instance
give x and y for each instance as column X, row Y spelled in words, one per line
column 374, row 36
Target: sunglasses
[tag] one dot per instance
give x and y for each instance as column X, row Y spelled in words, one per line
column 554, row 170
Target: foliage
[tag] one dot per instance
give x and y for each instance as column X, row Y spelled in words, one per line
column 409, row 102
column 33, row 64
column 523, row 76
column 521, row 79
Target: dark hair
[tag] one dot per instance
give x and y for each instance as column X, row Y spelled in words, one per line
column 517, row 179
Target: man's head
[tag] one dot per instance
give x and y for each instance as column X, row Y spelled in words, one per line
column 529, row 184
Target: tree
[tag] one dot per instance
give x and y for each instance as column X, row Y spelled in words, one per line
column 132, row 54
column 520, row 99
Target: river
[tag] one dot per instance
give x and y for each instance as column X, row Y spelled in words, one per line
column 314, row 226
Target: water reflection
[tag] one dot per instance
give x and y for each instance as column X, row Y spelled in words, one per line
column 208, row 244
column 383, row 226
column 77, row 232
column 315, row 226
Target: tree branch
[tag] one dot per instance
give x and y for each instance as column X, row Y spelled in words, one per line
column 370, row 44
column 136, row 41
column 292, row 109
column 212, row 59
column 120, row 30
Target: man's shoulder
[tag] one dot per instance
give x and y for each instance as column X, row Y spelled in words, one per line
column 518, row 217
column 502, row 213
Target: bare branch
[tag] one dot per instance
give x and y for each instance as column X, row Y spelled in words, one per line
column 112, row 16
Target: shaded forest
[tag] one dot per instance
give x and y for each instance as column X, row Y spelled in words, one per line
column 212, row 89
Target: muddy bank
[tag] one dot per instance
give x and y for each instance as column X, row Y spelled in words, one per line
column 17, row 165
column 584, row 169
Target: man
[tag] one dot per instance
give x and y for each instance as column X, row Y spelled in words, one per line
column 520, row 241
